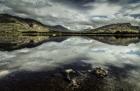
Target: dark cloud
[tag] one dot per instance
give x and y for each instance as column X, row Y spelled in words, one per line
column 75, row 3
column 133, row 1
column 75, row 14
column 135, row 15
column 114, row 0
column 25, row 4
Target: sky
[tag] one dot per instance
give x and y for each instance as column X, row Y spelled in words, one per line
column 75, row 14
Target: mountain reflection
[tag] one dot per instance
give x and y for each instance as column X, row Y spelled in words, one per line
column 117, row 40
column 17, row 42
column 43, row 67
column 22, row 41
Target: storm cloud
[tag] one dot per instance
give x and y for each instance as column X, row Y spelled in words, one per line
column 75, row 14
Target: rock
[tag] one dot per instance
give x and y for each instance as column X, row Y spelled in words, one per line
column 100, row 72
column 75, row 78
column 70, row 74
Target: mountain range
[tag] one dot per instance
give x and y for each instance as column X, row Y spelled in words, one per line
column 17, row 32
column 18, row 24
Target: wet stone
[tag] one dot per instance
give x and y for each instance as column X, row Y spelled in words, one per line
column 77, row 78
column 100, row 72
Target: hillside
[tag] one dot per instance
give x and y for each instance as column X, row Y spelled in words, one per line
column 12, row 28
column 13, row 32
column 116, row 28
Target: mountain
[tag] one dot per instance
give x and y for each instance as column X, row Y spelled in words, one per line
column 12, row 29
column 58, row 28
column 116, row 28
column 19, row 24
column 17, row 32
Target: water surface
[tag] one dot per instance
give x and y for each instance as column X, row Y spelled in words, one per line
column 41, row 68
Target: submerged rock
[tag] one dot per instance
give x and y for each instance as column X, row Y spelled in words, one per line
column 70, row 73
column 78, row 78
column 100, row 72
column 75, row 78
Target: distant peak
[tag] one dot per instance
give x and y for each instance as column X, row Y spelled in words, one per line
column 119, row 24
